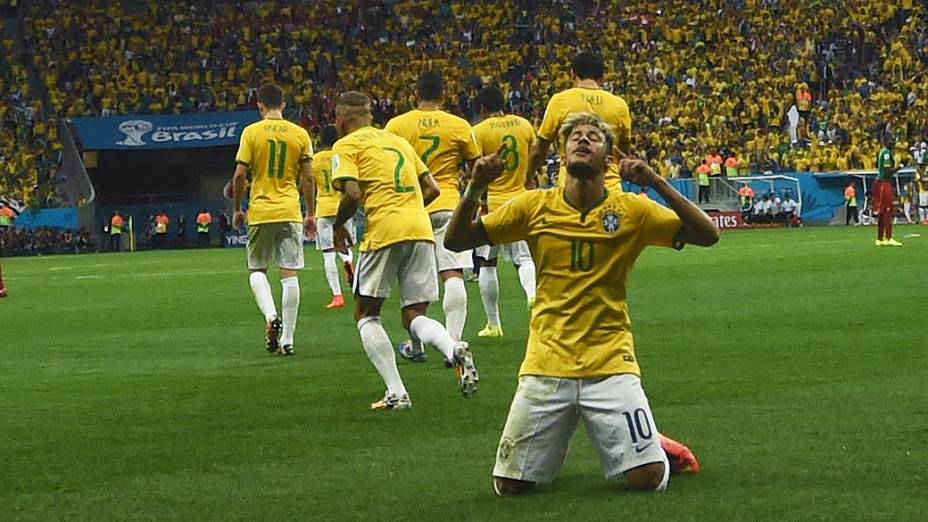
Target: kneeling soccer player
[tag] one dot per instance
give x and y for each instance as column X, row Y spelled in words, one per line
column 580, row 361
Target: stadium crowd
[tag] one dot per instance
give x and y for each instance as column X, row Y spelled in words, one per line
column 44, row 241
column 29, row 147
column 701, row 77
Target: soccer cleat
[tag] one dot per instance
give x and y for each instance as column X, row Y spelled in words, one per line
column 409, row 351
column 680, row 457
column 891, row 242
column 880, row 242
column 393, row 401
column 465, row 370
column 338, row 301
column 274, row 326
column 491, row 331
column 349, row 272
column 287, row 349
column 2, row 292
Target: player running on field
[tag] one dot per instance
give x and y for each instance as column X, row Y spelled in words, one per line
column 277, row 153
column 580, row 361
column 515, row 135
column 327, row 199
column 444, row 142
column 380, row 170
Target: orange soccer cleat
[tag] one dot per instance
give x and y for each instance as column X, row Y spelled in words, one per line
column 681, row 458
column 338, row 301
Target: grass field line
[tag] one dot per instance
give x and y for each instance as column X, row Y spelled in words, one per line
column 97, row 265
column 769, row 245
column 166, row 273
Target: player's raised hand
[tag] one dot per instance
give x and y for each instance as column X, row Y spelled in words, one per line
column 342, row 239
column 637, row 171
column 238, row 219
column 487, row 168
column 309, row 227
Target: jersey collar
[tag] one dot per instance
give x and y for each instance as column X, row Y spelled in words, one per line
column 585, row 213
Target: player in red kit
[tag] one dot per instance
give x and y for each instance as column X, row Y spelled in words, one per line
column 883, row 194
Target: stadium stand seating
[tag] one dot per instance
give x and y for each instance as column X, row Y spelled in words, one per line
column 29, row 147
column 699, row 76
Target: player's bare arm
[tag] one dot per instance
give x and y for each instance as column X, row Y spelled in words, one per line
column 308, row 187
column 429, row 186
column 465, row 230
column 538, row 154
column 347, row 208
column 239, row 178
column 697, row 228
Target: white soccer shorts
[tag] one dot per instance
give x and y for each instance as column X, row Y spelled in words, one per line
column 544, row 416
column 923, row 199
column 280, row 242
column 411, row 263
column 325, row 232
column 517, row 252
column 446, row 259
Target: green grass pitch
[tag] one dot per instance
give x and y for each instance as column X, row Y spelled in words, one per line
column 793, row 362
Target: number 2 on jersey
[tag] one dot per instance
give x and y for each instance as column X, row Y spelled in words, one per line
column 398, row 171
column 273, row 161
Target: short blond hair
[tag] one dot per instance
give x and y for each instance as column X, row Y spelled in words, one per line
column 587, row 118
column 353, row 104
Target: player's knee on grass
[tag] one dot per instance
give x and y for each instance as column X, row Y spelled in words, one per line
column 649, row 477
column 508, row 486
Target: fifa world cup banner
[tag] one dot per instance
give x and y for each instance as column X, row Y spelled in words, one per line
column 726, row 220
column 202, row 129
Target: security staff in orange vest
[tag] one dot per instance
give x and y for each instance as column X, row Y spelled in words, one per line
column 850, row 204
column 161, row 230
column 204, row 220
column 116, row 225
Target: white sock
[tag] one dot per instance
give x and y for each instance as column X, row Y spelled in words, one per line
column 489, row 293
column 527, row 278
column 262, row 290
column 380, row 351
column 331, row 272
column 347, row 257
column 455, row 306
column 290, row 303
column 429, row 331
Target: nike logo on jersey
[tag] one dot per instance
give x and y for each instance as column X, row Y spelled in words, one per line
column 639, row 449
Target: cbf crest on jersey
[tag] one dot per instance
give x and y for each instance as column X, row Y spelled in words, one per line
column 611, row 221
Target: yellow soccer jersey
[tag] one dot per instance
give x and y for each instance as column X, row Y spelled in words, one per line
column 580, row 324
column 387, row 169
column 273, row 151
column 443, row 141
column 517, row 135
column 327, row 198
column 604, row 104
